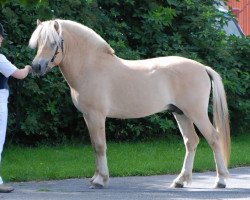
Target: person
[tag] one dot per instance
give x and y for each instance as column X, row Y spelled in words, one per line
column 7, row 69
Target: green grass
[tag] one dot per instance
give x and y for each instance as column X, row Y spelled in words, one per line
column 125, row 159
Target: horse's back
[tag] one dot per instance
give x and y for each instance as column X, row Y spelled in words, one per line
column 161, row 62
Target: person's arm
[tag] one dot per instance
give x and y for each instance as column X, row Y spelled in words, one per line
column 22, row 73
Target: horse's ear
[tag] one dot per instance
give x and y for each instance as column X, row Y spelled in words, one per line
column 38, row 22
column 57, row 27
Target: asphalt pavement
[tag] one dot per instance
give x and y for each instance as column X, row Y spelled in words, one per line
column 136, row 188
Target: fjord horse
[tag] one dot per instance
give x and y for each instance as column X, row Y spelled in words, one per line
column 103, row 85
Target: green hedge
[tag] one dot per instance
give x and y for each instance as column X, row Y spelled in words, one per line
column 41, row 109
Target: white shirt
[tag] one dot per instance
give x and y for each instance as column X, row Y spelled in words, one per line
column 6, row 67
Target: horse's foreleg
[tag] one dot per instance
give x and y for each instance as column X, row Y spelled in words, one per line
column 96, row 125
column 191, row 141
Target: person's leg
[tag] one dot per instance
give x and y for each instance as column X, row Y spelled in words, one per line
column 3, row 126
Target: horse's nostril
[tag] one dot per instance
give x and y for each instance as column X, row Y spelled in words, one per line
column 36, row 67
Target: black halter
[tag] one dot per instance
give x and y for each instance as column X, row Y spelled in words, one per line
column 56, row 51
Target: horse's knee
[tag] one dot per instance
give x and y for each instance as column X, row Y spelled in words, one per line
column 191, row 142
column 100, row 148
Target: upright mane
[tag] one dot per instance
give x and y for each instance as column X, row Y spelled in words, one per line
column 46, row 30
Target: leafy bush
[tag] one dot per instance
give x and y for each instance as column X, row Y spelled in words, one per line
column 41, row 109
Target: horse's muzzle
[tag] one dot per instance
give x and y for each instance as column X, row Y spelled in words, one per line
column 40, row 67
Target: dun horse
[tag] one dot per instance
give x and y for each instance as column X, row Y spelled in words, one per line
column 103, row 85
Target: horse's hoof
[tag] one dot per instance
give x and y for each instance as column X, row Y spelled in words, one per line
column 220, row 185
column 176, row 185
column 96, row 186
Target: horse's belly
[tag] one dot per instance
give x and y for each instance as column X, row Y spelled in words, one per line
column 137, row 98
column 122, row 114
column 138, row 107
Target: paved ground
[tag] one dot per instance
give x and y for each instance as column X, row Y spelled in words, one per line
column 136, row 188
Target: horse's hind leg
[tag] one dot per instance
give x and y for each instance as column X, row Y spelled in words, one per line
column 212, row 136
column 191, row 141
column 96, row 125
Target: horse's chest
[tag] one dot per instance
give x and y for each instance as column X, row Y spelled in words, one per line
column 76, row 100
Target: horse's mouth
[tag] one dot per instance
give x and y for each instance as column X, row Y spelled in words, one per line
column 48, row 69
column 41, row 69
column 39, row 72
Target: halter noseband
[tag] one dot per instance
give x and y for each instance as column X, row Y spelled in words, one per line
column 56, row 51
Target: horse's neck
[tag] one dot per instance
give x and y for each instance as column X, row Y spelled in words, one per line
column 75, row 64
column 79, row 51
column 70, row 72
column 71, row 54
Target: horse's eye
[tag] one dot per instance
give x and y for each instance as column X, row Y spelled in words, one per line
column 53, row 44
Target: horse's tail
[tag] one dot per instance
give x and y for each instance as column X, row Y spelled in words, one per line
column 220, row 112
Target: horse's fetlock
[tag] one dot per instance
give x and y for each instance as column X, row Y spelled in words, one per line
column 101, row 180
column 187, row 177
column 225, row 174
column 105, row 177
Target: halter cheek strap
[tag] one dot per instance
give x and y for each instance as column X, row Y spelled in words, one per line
column 57, row 51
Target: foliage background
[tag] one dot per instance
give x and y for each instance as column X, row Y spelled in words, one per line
column 40, row 109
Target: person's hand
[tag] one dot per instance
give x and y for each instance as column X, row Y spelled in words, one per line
column 28, row 67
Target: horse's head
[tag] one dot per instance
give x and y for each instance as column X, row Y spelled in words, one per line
column 47, row 38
